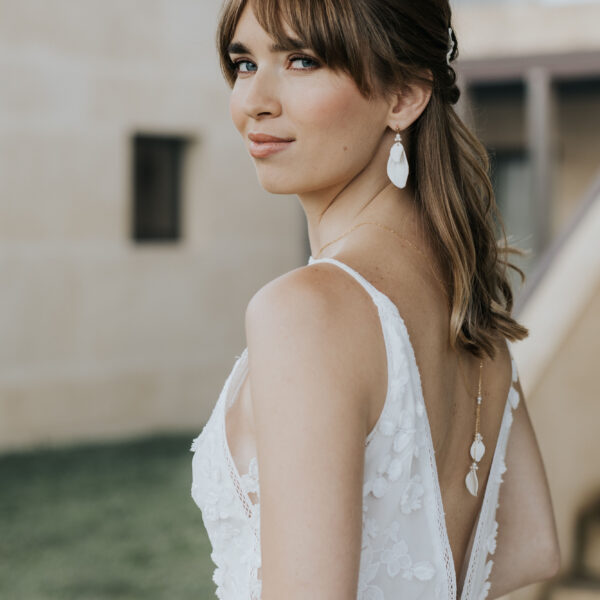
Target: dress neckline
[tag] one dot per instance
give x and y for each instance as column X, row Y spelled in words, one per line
column 467, row 560
column 237, row 380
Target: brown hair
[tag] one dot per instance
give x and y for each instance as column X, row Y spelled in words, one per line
column 382, row 44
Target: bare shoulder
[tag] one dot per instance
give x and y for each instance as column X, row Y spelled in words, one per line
column 308, row 385
column 320, row 282
column 299, row 291
column 317, row 319
column 319, row 299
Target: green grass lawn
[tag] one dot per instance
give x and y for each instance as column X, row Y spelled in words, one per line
column 103, row 521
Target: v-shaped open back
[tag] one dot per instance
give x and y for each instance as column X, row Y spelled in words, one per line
column 385, row 307
column 405, row 550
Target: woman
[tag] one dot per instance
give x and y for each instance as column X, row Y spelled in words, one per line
column 377, row 390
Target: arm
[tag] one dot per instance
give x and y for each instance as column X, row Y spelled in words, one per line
column 527, row 549
column 307, row 379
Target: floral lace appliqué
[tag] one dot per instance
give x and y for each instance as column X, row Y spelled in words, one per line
column 411, row 498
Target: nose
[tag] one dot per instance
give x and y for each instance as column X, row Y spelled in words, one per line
column 262, row 95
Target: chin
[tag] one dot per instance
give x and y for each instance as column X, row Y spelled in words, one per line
column 278, row 184
column 281, row 181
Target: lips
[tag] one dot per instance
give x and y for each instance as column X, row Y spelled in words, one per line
column 263, row 145
column 262, row 138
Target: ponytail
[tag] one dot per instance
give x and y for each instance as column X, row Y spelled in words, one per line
column 456, row 200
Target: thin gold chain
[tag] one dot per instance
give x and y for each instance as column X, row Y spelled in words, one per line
column 465, row 379
column 478, row 400
column 441, row 284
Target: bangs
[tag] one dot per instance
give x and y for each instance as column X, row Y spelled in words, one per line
column 330, row 29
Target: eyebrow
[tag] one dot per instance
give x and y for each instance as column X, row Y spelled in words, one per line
column 291, row 44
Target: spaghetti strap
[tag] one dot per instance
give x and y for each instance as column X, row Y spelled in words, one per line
column 394, row 356
column 378, row 297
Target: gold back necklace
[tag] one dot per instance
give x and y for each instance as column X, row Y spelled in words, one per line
column 477, row 448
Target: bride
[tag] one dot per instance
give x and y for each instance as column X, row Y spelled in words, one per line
column 377, row 397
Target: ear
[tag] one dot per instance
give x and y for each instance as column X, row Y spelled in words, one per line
column 406, row 105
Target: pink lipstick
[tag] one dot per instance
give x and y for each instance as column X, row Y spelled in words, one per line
column 263, row 145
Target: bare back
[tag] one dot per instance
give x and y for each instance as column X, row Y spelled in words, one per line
column 450, row 407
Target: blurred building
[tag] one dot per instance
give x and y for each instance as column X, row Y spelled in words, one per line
column 530, row 74
column 531, row 80
column 132, row 225
column 133, row 229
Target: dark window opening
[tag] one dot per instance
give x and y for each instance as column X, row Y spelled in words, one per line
column 511, row 180
column 588, row 86
column 157, row 171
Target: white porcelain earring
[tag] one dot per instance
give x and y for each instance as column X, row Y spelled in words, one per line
column 397, row 167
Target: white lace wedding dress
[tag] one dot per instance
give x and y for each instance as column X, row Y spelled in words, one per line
column 405, row 549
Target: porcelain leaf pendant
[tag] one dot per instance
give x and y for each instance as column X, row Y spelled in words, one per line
column 477, row 448
column 471, row 479
column 397, row 167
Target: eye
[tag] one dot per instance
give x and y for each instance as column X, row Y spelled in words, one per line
column 305, row 59
column 237, row 63
column 307, row 63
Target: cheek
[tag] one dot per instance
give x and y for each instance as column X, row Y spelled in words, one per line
column 335, row 123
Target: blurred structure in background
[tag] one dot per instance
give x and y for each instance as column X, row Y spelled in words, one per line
column 530, row 75
column 133, row 231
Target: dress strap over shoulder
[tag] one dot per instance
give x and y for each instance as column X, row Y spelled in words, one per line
column 379, row 298
column 389, row 320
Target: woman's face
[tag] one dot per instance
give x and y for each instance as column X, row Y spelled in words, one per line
column 289, row 94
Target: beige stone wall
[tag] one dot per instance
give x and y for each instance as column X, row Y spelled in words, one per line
column 514, row 28
column 100, row 337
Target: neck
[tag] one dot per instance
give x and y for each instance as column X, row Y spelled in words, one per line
column 368, row 196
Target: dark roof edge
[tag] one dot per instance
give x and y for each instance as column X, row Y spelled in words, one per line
column 563, row 65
